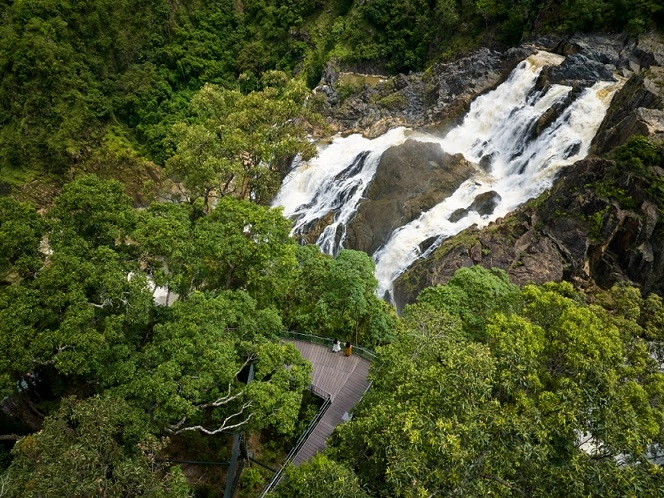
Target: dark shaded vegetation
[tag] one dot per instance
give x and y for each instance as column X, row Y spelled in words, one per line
column 85, row 84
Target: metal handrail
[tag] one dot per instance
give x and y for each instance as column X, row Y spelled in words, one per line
column 316, row 339
column 276, row 478
column 365, row 353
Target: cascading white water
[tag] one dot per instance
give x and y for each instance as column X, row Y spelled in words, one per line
column 498, row 126
column 497, row 131
column 333, row 182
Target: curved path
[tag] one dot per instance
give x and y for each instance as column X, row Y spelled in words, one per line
column 344, row 378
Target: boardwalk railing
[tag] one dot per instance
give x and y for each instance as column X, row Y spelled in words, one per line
column 365, row 353
column 327, row 401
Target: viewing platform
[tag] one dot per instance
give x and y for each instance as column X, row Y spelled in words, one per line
column 343, row 378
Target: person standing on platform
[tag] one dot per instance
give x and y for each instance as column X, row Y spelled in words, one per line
column 348, row 349
column 336, row 347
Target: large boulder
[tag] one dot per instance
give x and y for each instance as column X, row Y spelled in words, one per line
column 618, row 50
column 577, row 70
column 411, row 178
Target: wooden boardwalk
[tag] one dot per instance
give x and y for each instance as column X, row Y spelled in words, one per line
column 344, row 378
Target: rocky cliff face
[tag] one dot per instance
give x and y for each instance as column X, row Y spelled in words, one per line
column 598, row 224
column 436, row 98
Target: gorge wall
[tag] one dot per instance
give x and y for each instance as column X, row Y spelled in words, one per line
column 600, row 224
column 577, row 231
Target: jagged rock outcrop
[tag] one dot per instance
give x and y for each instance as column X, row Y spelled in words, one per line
column 411, row 178
column 439, row 97
column 578, row 70
column 637, row 109
column 575, row 232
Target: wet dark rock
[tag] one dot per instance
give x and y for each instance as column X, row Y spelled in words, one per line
column 487, row 162
column 485, row 203
column 617, row 50
column 458, row 215
column 411, row 178
column 426, row 245
column 312, row 231
column 552, row 114
column 578, row 70
column 572, row 150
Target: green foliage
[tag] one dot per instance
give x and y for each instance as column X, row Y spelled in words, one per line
column 591, row 15
column 639, row 152
column 403, row 34
column 473, row 294
column 394, row 101
column 86, row 323
column 609, row 189
column 21, row 231
column 561, row 400
column 347, row 89
column 319, row 477
column 237, row 144
column 335, row 297
column 640, row 155
column 239, row 245
column 96, row 210
column 74, row 316
column 80, row 453
column 71, row 68
column 597, row 223
column 188, row 371
column 77, row 76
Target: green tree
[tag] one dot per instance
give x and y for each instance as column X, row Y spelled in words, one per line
column 238, row 245
column 81, row 308
column 335, row 297
column 21, row 232
column 319, row 477
column 77, row 314
column 187, row 376
column 243, row 245
column 164, row 233
column 90, row 448
column 96, row 210
column 559, row 399
column 474, row 294
column 238, row 144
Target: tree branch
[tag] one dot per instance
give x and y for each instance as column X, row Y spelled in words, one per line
column 503, row 482
column 224, row 400
column 225, row 426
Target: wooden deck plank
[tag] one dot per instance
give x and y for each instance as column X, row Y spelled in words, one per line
column 344, row 378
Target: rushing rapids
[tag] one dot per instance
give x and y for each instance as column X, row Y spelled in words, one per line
column 498, row 133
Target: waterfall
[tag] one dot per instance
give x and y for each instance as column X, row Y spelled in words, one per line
column 521, row 135
column 333, row 183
